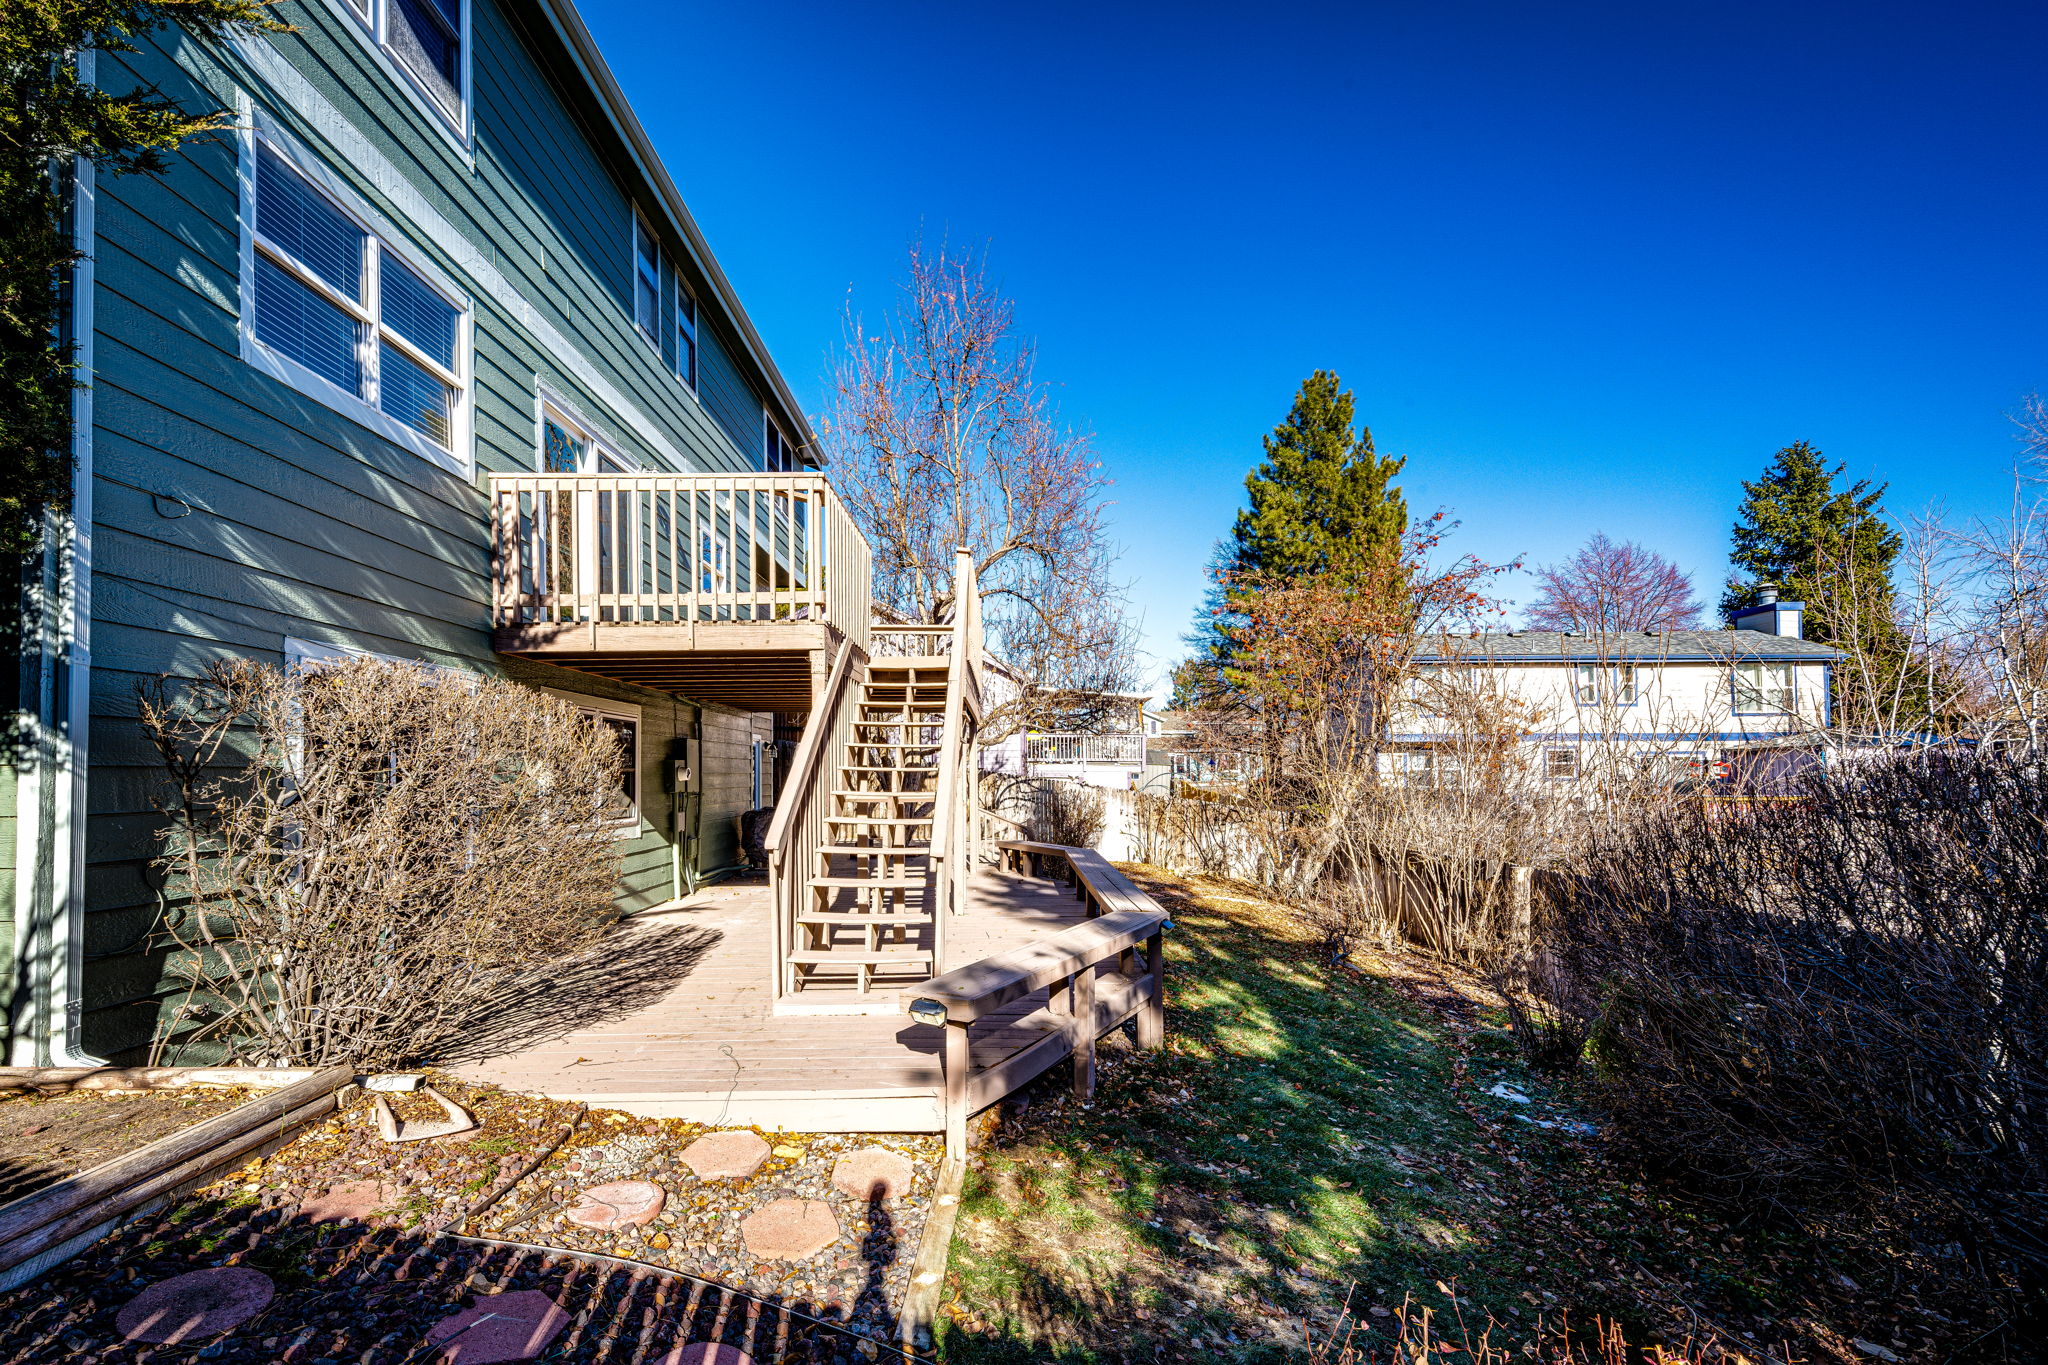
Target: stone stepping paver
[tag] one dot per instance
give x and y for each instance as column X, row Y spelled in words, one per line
column 706, row 1353
column 790, row 1230
column 726, row 1156
column 195, row 1306
column 353, row 1199
column 620, row 1204
column 873, row 1173
column 501, row 1327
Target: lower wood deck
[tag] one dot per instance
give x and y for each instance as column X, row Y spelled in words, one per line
column 672, row 1019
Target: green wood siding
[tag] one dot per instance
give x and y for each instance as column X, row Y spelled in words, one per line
column 232, row 511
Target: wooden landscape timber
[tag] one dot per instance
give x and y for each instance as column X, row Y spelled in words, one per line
column 48, row 1227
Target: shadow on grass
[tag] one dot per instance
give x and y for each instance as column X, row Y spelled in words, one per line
column 630, row 970
column 347, row 1291
column 1310, row 1135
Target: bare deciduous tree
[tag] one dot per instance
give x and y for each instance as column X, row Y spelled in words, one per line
column 941, row 436
column 1608, row 587
column 359, row 855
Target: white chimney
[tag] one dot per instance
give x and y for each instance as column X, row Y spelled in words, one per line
column 1771, row 616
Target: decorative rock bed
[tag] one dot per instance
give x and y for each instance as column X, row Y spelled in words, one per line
column 817, row 1233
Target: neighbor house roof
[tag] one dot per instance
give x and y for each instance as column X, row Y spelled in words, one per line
column 1679, row 646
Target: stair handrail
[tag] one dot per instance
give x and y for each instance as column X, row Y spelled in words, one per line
column 797, row 827
column 952, row 831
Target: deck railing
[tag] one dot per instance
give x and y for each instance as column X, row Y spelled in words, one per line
column 1125, row 925
column 890, row 641
column 1084, row 748
column 674, row 548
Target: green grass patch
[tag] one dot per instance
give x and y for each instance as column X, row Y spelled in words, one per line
column 1312, row 1136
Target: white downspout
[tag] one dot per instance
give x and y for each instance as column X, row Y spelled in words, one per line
column 51, row 787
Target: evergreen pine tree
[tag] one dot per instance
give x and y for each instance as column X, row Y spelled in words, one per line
column 1321, row 494
column 1798, row 530
column 1321, row 498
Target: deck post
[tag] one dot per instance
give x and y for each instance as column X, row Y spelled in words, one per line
column 1152, row 1018
column 1081, row 1000
column 956, row 1065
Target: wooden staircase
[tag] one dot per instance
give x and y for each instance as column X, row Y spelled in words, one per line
column 869, row 922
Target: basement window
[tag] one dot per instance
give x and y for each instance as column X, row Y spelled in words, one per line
column 1560, row 765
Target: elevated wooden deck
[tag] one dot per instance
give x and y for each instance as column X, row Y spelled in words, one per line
column 673, row 1020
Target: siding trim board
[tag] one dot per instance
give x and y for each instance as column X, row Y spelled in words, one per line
column 289, row 89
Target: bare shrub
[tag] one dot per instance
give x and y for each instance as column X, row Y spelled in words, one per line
column 1069, row 813
column 358, row 855
column 1838, row 1000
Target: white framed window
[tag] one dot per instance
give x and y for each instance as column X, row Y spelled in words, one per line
column 646, row 282
column 1586, row 684
column 777, row 454
column 426, row 44
column 686, row 334
column 568, row 443
column 1560, row 765
column 335, row 306
column 1624, row 692
column 1763, row 688
column 622, row 719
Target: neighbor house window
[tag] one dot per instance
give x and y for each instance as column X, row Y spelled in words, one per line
column 1586, row 684
column 686, row 334
column 428, row 41
column 1763, row 687
column 646, row 283
column 1624, row 685
column 337, row 311
column 1560, row 765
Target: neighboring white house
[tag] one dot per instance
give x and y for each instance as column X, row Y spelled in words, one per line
column 1674, row 706
column 1111, row 756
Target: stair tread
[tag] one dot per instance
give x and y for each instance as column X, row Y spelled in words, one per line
column 879, row 820
column 857, row 919
column 857, row 794
column 814, row 956
column 850, row 880
column 878, row 850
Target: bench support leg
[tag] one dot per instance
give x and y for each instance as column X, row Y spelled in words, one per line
column 957, row 1063
column 1152, row 1015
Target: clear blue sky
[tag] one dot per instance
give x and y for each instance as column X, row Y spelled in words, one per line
column 1587, row 266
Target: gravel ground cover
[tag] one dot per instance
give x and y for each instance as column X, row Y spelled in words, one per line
column 347, row 1226
column 46, row 1137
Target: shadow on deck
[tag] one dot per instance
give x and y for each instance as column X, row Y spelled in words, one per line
column 672, row 1019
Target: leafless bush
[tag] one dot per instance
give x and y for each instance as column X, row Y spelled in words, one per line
column 358, row 855
column 1069, row 813
column 1838, row 1000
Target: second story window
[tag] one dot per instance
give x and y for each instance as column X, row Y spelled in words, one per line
column 779, row 455
column 646, row 283
column 1763, row 688
column 686, row 334
column 334, row 310
column 428, row 40
column 1586, row 684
